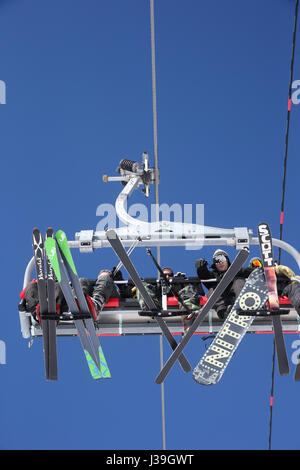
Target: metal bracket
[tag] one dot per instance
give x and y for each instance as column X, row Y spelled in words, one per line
column 241, row 237
column 85, row 239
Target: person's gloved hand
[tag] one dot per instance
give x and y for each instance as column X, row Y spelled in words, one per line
column 179, row 274
column 201, row 263
column 118, row 276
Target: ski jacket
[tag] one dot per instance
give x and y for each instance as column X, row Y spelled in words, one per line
column 285, row 276
column 205, row 274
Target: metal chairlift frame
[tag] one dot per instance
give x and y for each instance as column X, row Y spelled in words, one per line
column 162, row 233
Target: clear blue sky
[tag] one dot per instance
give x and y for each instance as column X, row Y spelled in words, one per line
column 78, row 99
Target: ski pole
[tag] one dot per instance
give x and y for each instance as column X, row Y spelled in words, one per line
column 130, row 250
column 176, row 294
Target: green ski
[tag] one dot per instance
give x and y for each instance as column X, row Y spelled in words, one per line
column 70, row 266
column 57, row 264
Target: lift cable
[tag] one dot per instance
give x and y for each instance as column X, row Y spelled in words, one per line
column 154, row 106
column 288, row 126
column 282, row 203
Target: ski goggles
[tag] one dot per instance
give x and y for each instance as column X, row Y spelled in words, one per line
column 220, row 259
column 257, row 263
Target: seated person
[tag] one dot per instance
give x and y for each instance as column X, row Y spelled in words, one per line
column 220, row 265
column 99, row 292
column 187, row 293
column 288, row 284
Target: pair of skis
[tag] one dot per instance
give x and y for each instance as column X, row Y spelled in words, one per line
column 60, row 259
column 265, row 241
column 177, row 348
column 126, row 261
column 47, row 302
column 266, row 248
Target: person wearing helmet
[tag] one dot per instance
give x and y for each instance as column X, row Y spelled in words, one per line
column 211, row 277
column 255, row 263
column 288, row 284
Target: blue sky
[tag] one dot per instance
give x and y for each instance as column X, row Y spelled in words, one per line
column 78, row 99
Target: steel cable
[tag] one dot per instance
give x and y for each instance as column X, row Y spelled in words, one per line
column 282, row 206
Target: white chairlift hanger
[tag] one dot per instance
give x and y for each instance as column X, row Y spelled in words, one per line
column 165, row 232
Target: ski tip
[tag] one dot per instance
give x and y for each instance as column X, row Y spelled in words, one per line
column 61, row 234
column 263, row 225
column 104, row 370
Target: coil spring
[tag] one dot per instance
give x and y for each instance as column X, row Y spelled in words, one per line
column 129, row 165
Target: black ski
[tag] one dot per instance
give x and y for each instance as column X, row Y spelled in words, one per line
column 38, row 250
column 266, row 248
column 52, row 315
column 121, row 253
column 57, row 264
column 297, row 370
column 225, row 281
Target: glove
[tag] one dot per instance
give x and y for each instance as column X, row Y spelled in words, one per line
column 201, row 263
column 118, row 276
column 22, row 305
column 179, row 274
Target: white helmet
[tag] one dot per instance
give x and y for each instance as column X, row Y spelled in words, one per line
column 220, row 252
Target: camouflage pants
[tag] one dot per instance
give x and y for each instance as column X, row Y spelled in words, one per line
column 188, row 296
column 190, row 301
column 152, row 291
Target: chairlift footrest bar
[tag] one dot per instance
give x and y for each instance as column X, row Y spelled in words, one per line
column 263, row 312
column 49, row 316
column 66, row 317
column 163, row 313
